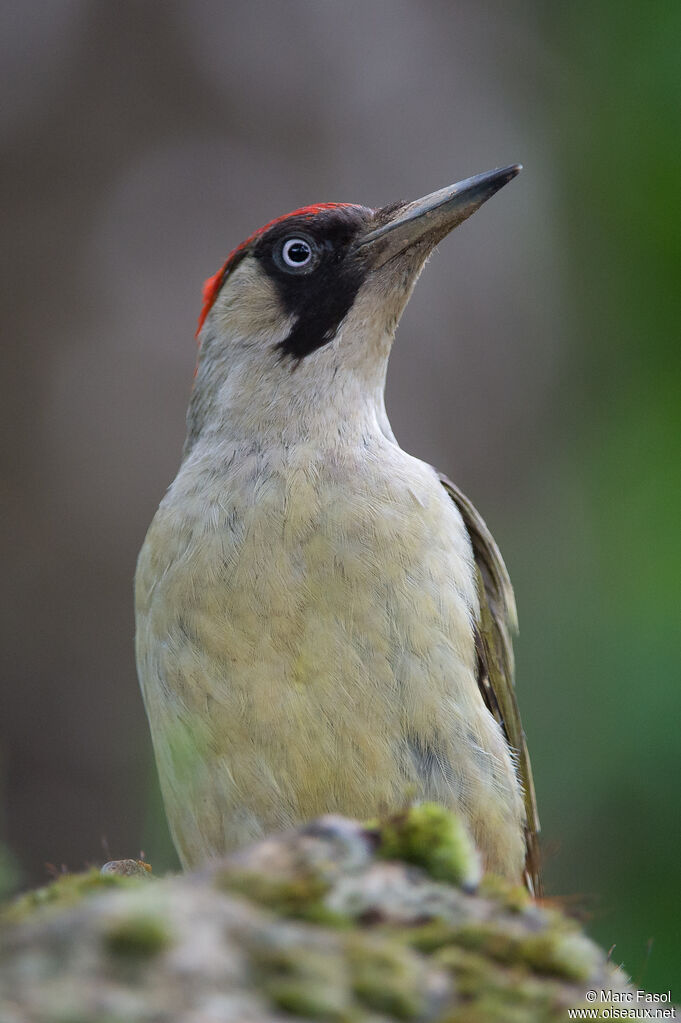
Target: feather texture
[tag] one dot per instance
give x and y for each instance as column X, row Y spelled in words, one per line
column 496, row 669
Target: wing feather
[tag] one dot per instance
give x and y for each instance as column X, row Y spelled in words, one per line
column 498, row 621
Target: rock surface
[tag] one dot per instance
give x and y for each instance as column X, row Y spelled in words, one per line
column 312, row 924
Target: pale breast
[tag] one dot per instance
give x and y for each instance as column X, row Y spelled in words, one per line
column 290, row 561
column 314, row 616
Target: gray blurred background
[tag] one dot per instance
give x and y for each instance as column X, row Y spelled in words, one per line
column 538, row 364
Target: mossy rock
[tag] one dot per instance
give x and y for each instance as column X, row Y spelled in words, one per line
column 339, row 921
column 65, row 891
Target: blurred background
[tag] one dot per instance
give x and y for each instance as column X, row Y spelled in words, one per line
column 538, row 364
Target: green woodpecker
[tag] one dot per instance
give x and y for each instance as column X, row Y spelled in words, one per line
column 323, row 621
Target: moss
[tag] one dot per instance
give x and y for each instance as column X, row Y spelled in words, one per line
column 473, row 972
column 434, row 838
column 557, row 951
column 319, row 913
column 386, row 977
column 495, row 1008
column 430, row 936
column 304, row 981
column 137, row 937
column 490, row 991
column 487, row 939
column 563, row 954
column 512, row 897
column 301, row 898
column 505, row 959
column 65, row 891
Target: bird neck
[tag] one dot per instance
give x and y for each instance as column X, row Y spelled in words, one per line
column 324, row 401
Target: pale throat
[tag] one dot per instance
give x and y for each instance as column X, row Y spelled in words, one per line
column 333, row 396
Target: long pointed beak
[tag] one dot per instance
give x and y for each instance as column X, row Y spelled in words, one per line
column 431, row 218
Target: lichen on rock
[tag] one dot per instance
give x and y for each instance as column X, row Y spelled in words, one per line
column 337, row 921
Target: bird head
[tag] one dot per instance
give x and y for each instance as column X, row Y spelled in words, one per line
column 297, row 325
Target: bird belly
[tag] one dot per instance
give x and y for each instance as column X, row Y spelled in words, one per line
column 312, row 651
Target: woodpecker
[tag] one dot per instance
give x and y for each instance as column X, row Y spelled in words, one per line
column 324, row 621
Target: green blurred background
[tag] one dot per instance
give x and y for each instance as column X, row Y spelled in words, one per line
column 539, row 364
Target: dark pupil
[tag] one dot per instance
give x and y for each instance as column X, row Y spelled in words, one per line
column 298, row 253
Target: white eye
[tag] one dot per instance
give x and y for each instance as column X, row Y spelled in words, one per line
column 296, row 253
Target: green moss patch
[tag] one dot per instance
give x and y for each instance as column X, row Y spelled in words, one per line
column 65, row 891
column 137, row 937
column 557, row 951
column 513, row 897
column 386, row 977
column 301, row 898
column 431, row 837
column 303, row 981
